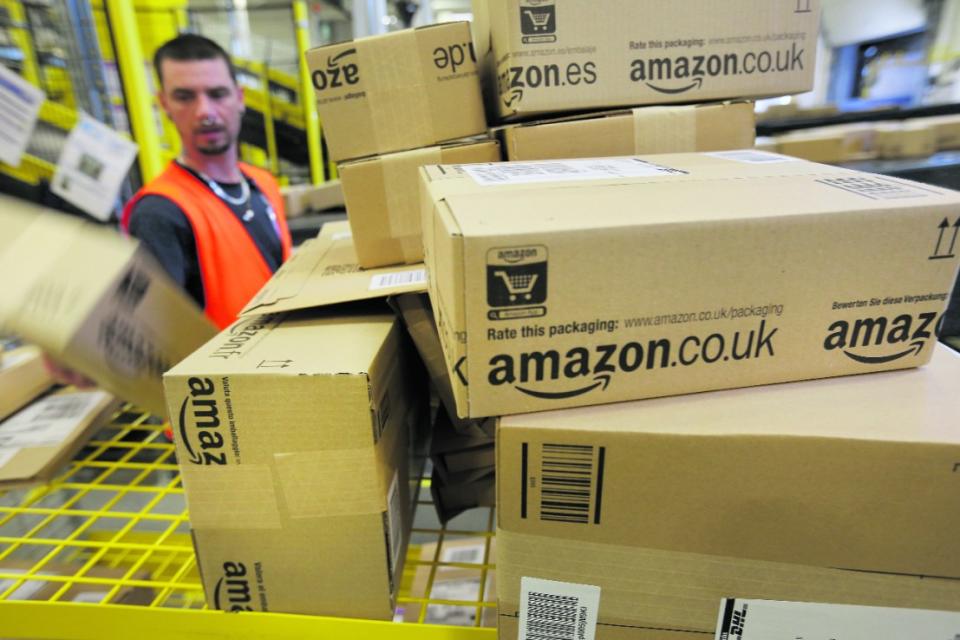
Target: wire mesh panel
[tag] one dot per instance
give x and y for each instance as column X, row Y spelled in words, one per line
column 63, row 48
column 111, row 534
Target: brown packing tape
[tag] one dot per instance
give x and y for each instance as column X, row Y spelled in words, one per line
column 231, row 497
column 401, row 183
column 330, row 483
column 665, row 589
column 394, row 118
column 652, row 135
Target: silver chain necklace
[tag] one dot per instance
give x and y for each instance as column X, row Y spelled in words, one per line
column 242, row 201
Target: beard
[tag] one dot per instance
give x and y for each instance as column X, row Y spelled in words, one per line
column 218, row 150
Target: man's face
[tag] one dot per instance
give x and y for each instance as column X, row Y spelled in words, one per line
column 204, row 103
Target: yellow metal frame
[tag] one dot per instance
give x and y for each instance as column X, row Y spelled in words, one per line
column 313, row 129
column 115, row 521
column 132, row 67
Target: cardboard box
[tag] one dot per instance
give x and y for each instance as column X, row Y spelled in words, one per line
column 417, row 315
column 947, row 130
column 806, row 492
column 766, row 143
column 38, row 440
column 96, row 302
column 403, row 90
column 454, row 581
column 905, row 140
column 678, row 274
column 544, row 56
column 703, row 127
column 307, row 198
column 292, row 432
column 814, row 145
column 324, row 271
column 383, row 199
column 23, row 377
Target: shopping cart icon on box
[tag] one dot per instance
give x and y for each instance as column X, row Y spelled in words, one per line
column 538, row 24
column 517, row 277
column 518, row 284
column 539, row 18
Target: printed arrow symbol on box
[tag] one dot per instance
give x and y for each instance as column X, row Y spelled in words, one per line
column 953, row 240
column 602, row 379
column 943, row 226
column 274, row 364
column 456, row 370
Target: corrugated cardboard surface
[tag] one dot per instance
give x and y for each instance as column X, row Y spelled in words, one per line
column 906, row 140
column 417, row 315
column 543, row 56
column 98, row 303
column 77, row 414
column 383, row 199
column 815, row 146
column 704, row 127
column 23, row 377
column 653, row 592
column 303, row 198
column 292, row 433
column 404, row 90
column 947, row 129
column 325, row 271
column 722, row 270
column 818, row 491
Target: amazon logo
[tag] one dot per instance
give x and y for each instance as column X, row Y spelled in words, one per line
column 232, row 591
column 582, row 370
column 900, row 337
column 199, row 424
column 680, row 74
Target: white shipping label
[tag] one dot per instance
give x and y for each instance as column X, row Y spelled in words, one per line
column 565, row 170
column 11, row 360
column 94, row 161
column 398, row 279
column 50, row 421
column 775, row 620
column 342, row 235
column 752, row 156
column 20, row 104
column 558, row 610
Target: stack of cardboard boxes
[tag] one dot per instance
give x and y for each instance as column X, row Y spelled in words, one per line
column 557, row 287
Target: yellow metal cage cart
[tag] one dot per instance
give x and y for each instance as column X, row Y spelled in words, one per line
column 104, row 551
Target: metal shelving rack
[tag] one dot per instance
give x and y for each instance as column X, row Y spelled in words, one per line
column 104, row 551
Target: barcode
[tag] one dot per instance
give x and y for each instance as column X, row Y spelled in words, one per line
column 398, row 279
column 567, row 473
column 753, row 157
column 551, row 616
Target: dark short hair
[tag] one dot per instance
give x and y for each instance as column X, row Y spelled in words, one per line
column 190, row 46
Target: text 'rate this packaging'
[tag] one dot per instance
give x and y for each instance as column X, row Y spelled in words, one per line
column 566, row 283
column 547, row 56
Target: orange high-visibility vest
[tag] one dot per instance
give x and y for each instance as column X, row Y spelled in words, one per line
column 231, row 266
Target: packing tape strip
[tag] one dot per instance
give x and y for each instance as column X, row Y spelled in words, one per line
column 671, row 589
column 342, row 482
column 231, row 497
column 403, row 111
column 652, row 135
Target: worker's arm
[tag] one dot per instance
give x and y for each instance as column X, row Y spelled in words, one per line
column 165, row 231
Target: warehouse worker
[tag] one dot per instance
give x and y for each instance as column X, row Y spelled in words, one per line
column 216, row 225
